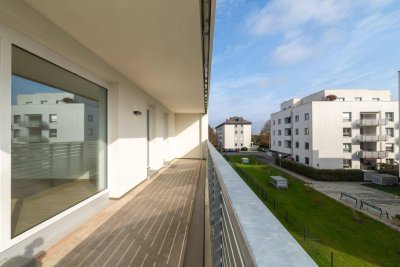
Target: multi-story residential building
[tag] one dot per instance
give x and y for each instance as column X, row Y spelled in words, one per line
column 234, row 133
column 41, row 118
column 338, row 129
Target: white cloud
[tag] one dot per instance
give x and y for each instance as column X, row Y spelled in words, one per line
column 283, row 15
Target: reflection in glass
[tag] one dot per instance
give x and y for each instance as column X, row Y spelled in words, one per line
column 58, row 154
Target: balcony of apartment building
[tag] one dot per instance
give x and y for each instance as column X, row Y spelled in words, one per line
column 371, row 120
column 144, row 70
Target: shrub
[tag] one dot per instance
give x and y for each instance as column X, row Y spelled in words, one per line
column 244, row 149
column 322, row 174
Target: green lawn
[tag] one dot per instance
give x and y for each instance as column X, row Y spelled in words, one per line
column 354, row 238
column 387, row 189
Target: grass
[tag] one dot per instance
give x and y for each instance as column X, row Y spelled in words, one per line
column 354, row 238
column 387, row 189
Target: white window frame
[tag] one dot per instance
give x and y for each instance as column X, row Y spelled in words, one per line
column 9, row 37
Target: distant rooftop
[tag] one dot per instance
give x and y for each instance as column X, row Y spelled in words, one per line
column 340, row 95
column 235, row 120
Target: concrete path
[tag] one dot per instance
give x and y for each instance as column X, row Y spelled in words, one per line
column 386, row 201
column 150, row 229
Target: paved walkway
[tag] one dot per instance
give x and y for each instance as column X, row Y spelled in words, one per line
column 386, row 201
column 150, row 229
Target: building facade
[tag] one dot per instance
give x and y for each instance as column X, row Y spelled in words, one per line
column 234, row 133
column 91, row 106
column 334, row 129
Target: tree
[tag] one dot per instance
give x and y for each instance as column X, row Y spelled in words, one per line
column 212, row 136
column 265, row 134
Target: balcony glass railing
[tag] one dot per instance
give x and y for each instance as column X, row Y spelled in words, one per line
column 371, row 138
column 243, row 231
column 373, row 154
column 372, row 122
column 31, row 124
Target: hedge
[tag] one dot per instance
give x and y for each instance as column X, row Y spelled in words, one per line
column 244, row 149
column 332, row 175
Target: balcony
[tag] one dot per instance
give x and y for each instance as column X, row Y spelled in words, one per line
column 371, row 138
column 372, row 122
column 32, row 124
column 32, row 139
column 373, row 154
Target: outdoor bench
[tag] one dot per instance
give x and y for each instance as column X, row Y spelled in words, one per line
column 382, row 212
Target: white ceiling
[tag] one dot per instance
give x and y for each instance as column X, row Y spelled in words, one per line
column 154, row 43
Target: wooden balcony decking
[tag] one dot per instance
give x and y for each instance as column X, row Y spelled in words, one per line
column 150, row 229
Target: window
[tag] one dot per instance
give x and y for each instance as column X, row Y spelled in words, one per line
column 297, row 144
column 347, row 132
column 390, row 147
column 241, row 132
column 273, row 132
column 288, row 144
column 17, row 133
column 346, row 116
column 288, row 120
column 306, row 145
column 17, row 118
column 53, row 118
column 273, row 142
column 390, row 132
column 279, row 143
column 375, row 99
column 235, row 132
column 358, row 98
column 279, row 132
column 235, row 125
column 297, row 131
column 389, row 116
column 235, row 144
column 297, row 118
column 306, row 131
column 274, row 122
column 297, row 158
column 279, row 121
column 306, row 116
column 307, row 160
column 43, row 102
column 346, row 147
column 340, row 99
column 58, row 163
column 288, row 132
column 346, row 163
column 53, row 133
column 90, row 132
column 59, row 102
column 90, row 117
column 241, row 144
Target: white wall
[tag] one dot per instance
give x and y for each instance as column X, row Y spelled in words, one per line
column 127, row 166
column 191, row 133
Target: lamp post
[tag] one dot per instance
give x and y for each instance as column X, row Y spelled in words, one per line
column 280, row 163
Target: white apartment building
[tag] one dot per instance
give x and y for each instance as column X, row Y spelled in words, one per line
column 234, row 133
column 47, row 118
column 335, row 129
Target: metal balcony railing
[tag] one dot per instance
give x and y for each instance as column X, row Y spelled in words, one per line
column 372, row 122
column 31, row 124
column 371, row 138
column 373, row 154
column 243, row 231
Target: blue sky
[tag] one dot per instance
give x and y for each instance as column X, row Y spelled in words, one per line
column 266, row 52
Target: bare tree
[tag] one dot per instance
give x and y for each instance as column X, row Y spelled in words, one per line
column 265, row 134
column 212, row 136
